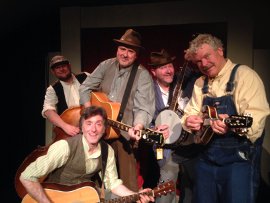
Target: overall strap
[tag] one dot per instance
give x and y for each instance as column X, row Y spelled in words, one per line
column 205, row 86
column 230, row 84
column 127, row 91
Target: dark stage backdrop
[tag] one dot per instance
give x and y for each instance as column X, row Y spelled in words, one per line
column 97, row 43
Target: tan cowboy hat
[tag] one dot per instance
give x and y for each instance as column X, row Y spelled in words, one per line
column 160, row 58
column 130, row 38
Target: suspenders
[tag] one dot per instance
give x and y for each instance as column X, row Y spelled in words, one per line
column 230, row 83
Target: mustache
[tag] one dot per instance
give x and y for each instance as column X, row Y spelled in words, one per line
column 205, row 68
column 168, row 74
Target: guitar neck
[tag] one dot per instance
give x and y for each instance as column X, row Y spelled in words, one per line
column 125, row 127
column 162, row 189
column 128, row 199
column 119, row 125
column 150, row 136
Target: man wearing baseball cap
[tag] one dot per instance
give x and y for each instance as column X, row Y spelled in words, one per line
column 63, row 94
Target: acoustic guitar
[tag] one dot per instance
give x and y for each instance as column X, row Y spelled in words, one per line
column 87, row 193
column 112, row 109
column 239, row 123
column 72, row 116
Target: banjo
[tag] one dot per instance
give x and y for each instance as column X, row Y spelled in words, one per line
column 171, row 116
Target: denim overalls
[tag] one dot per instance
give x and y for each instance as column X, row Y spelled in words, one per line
column 228, row 170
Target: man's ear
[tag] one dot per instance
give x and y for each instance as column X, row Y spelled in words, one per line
column 220, row 51
column 153, row 72
column 52, row 71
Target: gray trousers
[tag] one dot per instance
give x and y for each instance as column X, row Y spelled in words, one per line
column 168, row 171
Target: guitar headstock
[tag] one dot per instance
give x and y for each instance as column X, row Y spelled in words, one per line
column 152, row 137
column 236, row 121
column 164, row 189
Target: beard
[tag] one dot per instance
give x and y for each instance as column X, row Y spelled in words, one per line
column 66, row 77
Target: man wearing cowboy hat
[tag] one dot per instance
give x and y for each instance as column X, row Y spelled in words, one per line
column 111, row 77
column 163, row 70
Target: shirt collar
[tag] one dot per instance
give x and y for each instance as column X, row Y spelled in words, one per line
column 225, row 69
column 66, row 83
column 162, row 90
column 86, row 149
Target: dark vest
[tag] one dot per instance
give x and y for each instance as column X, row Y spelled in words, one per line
column 74, row 171
column 58, row 88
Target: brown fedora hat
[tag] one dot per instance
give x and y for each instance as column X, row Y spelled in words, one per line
column 160, row 58
column 130, row 38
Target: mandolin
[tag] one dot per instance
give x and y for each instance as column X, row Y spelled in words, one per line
column 239, row 123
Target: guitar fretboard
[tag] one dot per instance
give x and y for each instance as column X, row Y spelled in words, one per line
column 150, row 136
column 119, row 125
column 128, row 199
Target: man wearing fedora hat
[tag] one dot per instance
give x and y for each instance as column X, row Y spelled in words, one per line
column 165, row 79
column 111, row 77
column 63, row 94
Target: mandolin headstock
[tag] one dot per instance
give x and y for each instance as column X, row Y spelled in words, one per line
column 236, row 121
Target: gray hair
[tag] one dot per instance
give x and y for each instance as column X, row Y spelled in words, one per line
column 197, row 42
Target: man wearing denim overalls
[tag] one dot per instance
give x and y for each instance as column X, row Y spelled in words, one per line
column 229, row 166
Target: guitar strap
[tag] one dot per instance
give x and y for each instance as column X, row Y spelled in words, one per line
column 104, row 157
column 127, row 91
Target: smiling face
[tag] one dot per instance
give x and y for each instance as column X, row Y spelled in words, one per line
column 62, row 72
column 93, row 129
column 210, row 61
column 164, row 74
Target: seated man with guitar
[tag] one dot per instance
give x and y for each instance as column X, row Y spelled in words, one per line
column 76, row 161
column 229, row 166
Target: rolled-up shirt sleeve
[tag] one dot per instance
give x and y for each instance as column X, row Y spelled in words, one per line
column 56, row 156
column 50, row 101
